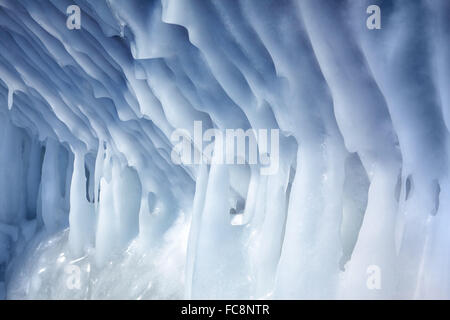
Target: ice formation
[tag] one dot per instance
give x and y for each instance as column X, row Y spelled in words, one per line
column 92, row 206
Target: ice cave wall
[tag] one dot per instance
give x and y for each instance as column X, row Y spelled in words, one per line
column 86, row 119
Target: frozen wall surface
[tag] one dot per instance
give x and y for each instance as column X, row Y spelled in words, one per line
column 346, row 101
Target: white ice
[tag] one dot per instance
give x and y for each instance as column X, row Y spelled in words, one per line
column 87, row 183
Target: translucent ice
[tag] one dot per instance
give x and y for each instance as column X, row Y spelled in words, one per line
column 92, row 205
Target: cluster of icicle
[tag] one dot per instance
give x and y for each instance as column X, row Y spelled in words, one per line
column 86, row 177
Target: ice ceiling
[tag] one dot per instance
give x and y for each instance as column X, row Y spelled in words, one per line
column 92, row 206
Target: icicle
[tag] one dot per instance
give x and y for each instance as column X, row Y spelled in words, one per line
column 81, row 216
column 10, row 97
